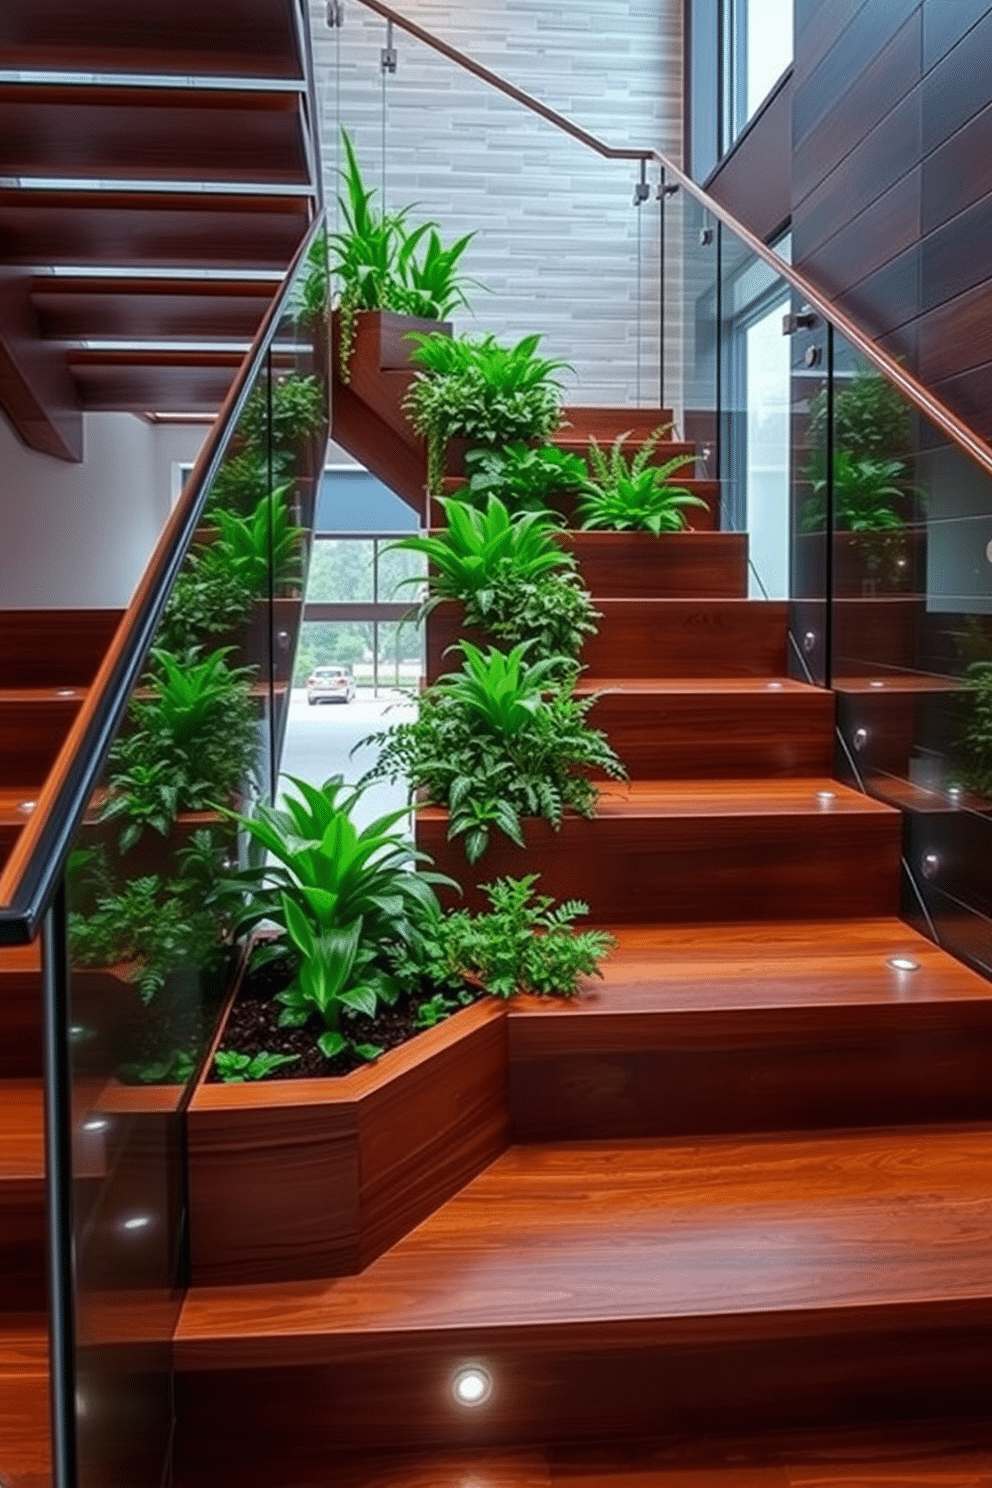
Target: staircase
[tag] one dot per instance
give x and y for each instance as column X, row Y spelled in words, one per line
column 747, row 1187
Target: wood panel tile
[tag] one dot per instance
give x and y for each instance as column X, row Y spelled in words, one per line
column 867, row 34
column 957, row 87
column 883, row 231
column 959, row 172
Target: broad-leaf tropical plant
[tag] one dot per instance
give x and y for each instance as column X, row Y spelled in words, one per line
column 524, row 477
column 866, row 495
column 500, row 740
column 479, row 390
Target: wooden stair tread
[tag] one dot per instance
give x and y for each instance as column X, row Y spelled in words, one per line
column 622, row 1234
column 42, row 695
column 12, row 798
column 720, row 686
column 22, row 1140
column 897, row 682
column 743, row 967
column 722, row 798
column 19, row 961
column 25, row 1450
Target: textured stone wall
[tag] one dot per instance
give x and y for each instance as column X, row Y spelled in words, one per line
column 560, row 246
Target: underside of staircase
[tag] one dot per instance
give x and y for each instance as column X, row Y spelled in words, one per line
column 745, row 1194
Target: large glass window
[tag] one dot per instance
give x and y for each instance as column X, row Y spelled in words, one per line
column 760, row 38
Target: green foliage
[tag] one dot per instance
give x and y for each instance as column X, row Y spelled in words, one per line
column 634, row 495
column 500, row 740
column 872, row 419
column 525, row 477
column 243, row 480
column 259, row 550
column 177, row 1067
column 205, row 601
column 866, row 493
column 383, row 263
column 524, row 944
column 152, row 924
column 235, row 1069
column 299, row 409
column 976, row 734
column 190, row 744
column 479, row 390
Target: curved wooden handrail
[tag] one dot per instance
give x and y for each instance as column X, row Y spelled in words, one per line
column 35, row 864
column 938, row 413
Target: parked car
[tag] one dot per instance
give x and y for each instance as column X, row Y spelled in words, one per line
column 330, row 684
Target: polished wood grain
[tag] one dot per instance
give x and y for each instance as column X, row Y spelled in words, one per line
column 36, row 391
column 660, row 850
column 159, row 310
column 742, row 1028
column 54, row 648
column 20, row 1012
column 698, row 727
column 657, row 638
column 22, row 1194
column 635, row 565
column 33, row 726
column 613, row 1287
column 317, row 1177
column 25, row 1456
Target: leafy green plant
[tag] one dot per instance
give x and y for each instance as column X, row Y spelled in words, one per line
column 976, row 732
column 258, row 550
column 189, row 747
column 872, row 418
column 382, row 262
column 866, row 494
column 513, row 579
column 632, row 495
column 481, row 391
column 526, row 478
column 177, row 1067
column 524, row 944
column 243, row 480
column 234, row 1068
column 498, row 741
column 283, row 413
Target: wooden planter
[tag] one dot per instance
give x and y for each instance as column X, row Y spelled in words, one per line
column 304, row 1178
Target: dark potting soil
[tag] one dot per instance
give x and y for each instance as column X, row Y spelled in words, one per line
column 253, row 1028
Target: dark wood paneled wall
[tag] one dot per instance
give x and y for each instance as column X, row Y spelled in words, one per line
column 892, row 179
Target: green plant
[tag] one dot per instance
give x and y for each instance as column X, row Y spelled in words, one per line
column 235, row 1069
column 976, row 733
column 524, row 943
column 507, row 573
column 190, row 743
column 525, row 478
column 259, row 551
column 383, row 263
column 872, row 418
column 176, row 1067
column 480, row 391
column 284, row 412
column 634, row 495
column 865, row 496
column 243, row 480
column 500, row 740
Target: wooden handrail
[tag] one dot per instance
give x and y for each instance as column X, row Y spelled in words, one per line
column 936, row 411
column 35, row 864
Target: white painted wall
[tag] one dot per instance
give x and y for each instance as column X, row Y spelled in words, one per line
column 80, row 536
column 559, row 244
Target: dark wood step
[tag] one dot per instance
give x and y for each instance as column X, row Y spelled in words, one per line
column 54, row 648
column 736, row 1028
column 22, row 1195
column 698, row 728
column 34, row 723
column 612, row 1288
column 684, row 565
column 20, row 1012
column 16, row 804
column 25, row 1450
column 655, row 638
column 703, row 851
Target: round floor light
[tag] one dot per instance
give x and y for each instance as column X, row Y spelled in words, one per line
column 472, row 1385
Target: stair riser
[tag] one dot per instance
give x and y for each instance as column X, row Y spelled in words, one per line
column 699, row 735
column 634, row 870
column 54, row 648
column 653, row 638
column 699, row 519
column 574, row 1077
column 610, row 1380
column 683, row 566
column 22, row 1246
column 31, row 735
column 20, row 1021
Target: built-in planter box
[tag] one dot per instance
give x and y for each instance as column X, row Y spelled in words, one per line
column 291, row 1179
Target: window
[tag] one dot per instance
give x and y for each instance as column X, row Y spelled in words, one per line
column 758, row 49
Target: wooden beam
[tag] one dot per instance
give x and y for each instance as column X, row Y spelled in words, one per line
column 37, row 392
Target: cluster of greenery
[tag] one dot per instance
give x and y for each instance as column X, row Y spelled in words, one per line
column 362, row 931
column 872, row 436
column 383, row 262
column 526, row 478
column 512, row 578
column 479, row 390
column 502, row 739
column 632, row 495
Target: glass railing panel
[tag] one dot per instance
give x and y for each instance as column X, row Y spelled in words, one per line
column 559, row 246
column 912, row 640
column 691, row 327
column 150, row 950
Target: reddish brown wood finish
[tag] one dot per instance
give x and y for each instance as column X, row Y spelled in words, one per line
column 36, row 391
column 635, row 565
column 739, row 1028
column 607, row 424
column 753, row 1292
column 22, row 1195
column 659, row 851
column 54, row 648
column 25, row 1457
column 700, row 519
column 33, row 726
column 317, row 1177
column 698, row 728
column 20, row 1012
